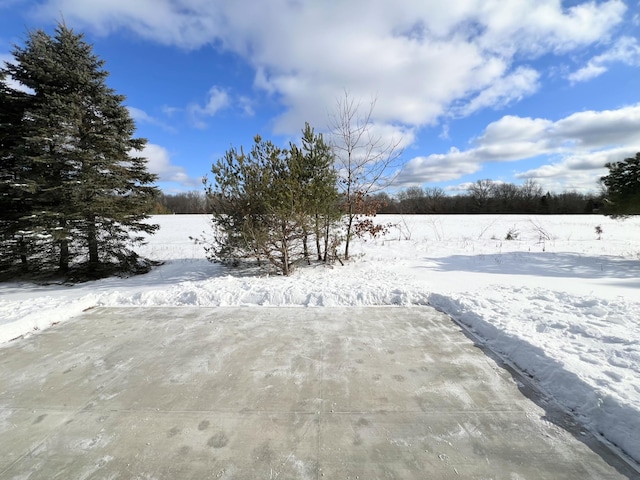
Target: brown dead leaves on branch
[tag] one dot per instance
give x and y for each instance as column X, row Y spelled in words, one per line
column 366, row 207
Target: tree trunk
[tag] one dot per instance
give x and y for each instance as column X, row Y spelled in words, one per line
column 22, row 249
column 92, row 240
column 285, row 252
column 63, row 263
column 317, row 233
column 348, row 239
column 305, row 246
column 285, row 260
column 325, row 254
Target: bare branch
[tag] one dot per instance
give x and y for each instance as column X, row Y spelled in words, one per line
column 365, row 160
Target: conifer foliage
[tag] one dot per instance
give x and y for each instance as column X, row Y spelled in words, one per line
column 622, row 187
column 75, row 193
column 270, row 202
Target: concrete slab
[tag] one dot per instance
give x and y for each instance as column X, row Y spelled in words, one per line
column 246, row 393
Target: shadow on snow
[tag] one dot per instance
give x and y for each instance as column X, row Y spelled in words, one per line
column 542, row 264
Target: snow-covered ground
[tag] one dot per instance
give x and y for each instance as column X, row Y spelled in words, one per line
column 557, row 302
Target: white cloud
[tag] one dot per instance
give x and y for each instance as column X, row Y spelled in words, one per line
column 591, row 70
column 541, row 26
column 514, row 129
column 598, row 129
column 159, row 162
column 523, row 82
column 419, row 57
column 246, row 106
column 217, row 99
column 170, row 111
column 626, row 50
column 577, row 146
column 143, row 117
column 444, row 135
column 438, row 168
column 579, row 172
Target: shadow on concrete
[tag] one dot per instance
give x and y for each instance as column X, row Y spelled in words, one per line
column 559, row 415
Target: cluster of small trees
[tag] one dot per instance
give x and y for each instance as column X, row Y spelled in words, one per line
column 271, row 204
column 74, row 195
column 284, row 206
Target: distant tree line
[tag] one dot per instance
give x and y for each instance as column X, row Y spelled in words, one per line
column 619, row 197
column 74, row 192
column 192, row 202
column 488, row 197
column 506, row 199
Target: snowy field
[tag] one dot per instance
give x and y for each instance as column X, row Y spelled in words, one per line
column 557, row 302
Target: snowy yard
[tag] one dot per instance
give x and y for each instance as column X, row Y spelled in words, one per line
column 557, row 302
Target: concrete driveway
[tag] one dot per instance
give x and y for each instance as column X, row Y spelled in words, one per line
column 277, row 393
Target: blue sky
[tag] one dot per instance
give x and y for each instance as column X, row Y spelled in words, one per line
column 509, row 90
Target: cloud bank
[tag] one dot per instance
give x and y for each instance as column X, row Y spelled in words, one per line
column 427, row 62
column 580, row 143
column 159, row 162
column 421, row 58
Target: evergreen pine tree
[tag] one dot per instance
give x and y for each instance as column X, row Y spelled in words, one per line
column 256, row 207
column 622, row 187
column 313, row 165
column 91, row 194
column 268, row 202
column 14, row 184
